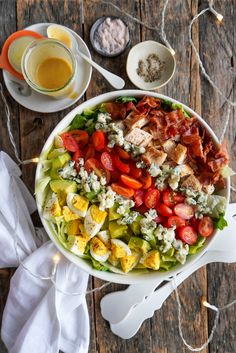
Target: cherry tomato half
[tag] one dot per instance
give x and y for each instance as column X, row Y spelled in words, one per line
column 151, row 198
column 188, row 235
column 146, row 179
column 93, row 164
column 175, row 221
column 122, row 153
column 134, row 171
column 99, row 140
column 75, row 158
column 164, row 210
column 206, row 226
column 139, row 197
column 89, row 152
column 171, row 198
column 159, row 219
column 69, row 142
column 142, row 209
column 122, row 190
column 184, row 211
column 123, row 167
column 80, row 136
column 130, row 182
column 107, row 161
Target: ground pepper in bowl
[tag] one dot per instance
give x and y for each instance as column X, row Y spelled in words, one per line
column 151, row 68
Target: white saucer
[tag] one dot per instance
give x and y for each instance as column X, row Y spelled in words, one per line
column 45, row 104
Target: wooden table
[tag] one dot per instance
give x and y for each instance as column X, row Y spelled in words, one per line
column 216, row 43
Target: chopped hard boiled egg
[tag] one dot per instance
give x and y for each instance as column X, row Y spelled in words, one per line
column 77, row 244
column 119, row 248
column 52, row 207
column 68, row 214
column 129, row 262
column 94, row 220
column 104, row 236
column 151, row 260
column 78, row 204
column 98, row 250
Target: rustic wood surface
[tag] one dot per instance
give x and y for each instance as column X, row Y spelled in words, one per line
column 216, row 43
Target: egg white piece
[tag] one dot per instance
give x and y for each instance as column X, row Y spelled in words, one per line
column 51, row 204
column 100, row 258
column 69, row 198
column 91, row 226
column 104, row 236
column 119, row 243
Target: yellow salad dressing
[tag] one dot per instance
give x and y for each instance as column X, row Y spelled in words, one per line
column 53, row 73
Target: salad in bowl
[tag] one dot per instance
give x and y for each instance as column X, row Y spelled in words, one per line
column 132, row 183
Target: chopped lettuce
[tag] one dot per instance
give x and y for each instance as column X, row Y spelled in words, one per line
column 41, row 184
column 196, row 247
column 176, row 106
column 166, row 266
column 78, row 122
column 221, row 222
column 98, row 265
column 216, row 205
column 227, row 172
column 126, row 99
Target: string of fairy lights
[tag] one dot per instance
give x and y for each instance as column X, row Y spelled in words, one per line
column 231, row 104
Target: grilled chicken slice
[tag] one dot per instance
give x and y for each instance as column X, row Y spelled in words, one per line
column 138, row 137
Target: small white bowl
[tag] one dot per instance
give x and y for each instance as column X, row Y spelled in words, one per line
column 140, row 52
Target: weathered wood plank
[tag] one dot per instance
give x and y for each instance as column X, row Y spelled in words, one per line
column 7, row 27
column 185, row 86
column 219, row 63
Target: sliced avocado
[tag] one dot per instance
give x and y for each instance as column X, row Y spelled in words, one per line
column 105, row 225
column 139, row 245
column 91, row 195
column 117, row 230
column 73, row 227
column 127, row 235
column 62, row 188
column 57, row 163
column 135, row 226
column 113, row 215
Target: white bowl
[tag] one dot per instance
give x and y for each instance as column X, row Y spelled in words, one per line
column 141, row 52
column 130, row 278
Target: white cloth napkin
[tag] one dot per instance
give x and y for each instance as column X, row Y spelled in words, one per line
column 38, row 318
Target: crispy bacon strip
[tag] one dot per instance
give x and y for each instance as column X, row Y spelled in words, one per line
column 119, row 110
column 151, row 102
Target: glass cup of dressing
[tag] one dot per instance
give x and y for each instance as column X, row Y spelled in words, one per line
column 50, row 68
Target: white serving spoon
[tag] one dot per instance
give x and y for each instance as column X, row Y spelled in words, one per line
column 60, row 33
column 128, row 327
column 127, row 300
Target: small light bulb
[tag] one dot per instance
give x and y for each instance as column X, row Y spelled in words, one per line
column 219, row 17
column 56, row 258
column 35, row 160
column 208, row 305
